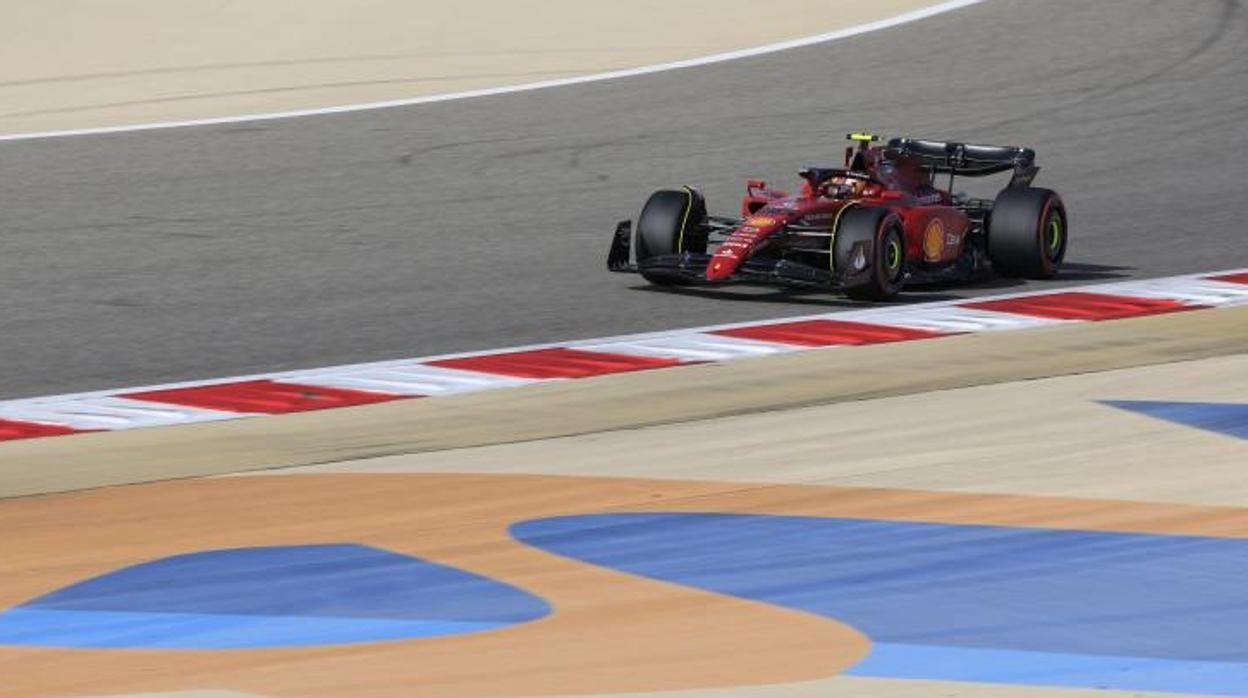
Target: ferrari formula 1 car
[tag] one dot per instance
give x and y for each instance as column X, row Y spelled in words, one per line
column 866, row 229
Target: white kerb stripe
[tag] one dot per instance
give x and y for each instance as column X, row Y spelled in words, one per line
column 415, row 379
column 111, row 413
column 949, row 318
column 694, row 346
column 1193, row 291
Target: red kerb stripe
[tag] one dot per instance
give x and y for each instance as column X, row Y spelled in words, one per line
column 556, row 363
column 1077, row 305
column 11, row 430
column 1241, row 278
column 262, row 396
column 823, row 333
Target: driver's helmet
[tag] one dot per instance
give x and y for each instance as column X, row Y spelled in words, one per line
column 840, row 186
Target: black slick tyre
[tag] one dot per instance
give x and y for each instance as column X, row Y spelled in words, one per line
column 869, row 253
column 672, row 222
column 1027, row 233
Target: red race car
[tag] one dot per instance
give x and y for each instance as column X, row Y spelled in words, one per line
column 866, row 229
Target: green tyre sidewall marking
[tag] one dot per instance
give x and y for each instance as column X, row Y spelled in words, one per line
column 893, row 258
column 1055, row 234
column 893, row 255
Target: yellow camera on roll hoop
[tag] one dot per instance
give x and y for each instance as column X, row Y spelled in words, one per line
column 864, row 141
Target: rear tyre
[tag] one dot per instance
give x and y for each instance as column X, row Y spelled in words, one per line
column 869, row 252
column 1027, row 233
column 671, row 223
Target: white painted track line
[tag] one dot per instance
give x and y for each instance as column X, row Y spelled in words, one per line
column 844, row 33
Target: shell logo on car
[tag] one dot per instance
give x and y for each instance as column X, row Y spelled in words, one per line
column 934, row 240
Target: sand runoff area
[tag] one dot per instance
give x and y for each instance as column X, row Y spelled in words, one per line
column 84, row 64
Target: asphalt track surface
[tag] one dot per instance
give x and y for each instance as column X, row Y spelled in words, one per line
column 192, row 253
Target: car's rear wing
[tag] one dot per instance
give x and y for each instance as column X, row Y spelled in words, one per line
column 967, row 159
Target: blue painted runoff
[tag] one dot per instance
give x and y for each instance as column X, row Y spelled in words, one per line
column 1222, row 417
column 269, row 597
column 960, row 602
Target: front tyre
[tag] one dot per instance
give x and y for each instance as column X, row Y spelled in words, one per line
column 672, row 222
column 869, row 253
column 1027, row 233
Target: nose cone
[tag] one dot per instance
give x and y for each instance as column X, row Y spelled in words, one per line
column 721, row 267
column 753, row 232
